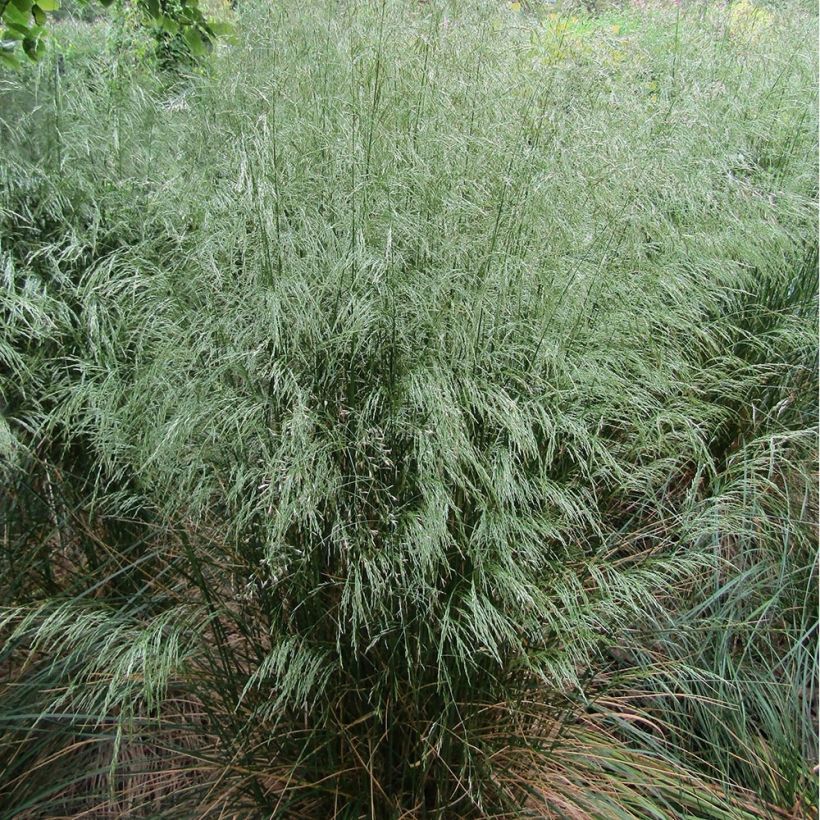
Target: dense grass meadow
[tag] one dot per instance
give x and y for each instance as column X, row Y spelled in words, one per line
column 408, row 410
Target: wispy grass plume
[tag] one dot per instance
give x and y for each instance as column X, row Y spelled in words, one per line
column 411, row 412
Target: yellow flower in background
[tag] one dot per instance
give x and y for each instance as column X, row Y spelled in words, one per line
column 562, row 38
column 515, row 6
column 748, row 19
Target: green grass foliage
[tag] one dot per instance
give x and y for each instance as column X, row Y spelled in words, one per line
column 410, row 412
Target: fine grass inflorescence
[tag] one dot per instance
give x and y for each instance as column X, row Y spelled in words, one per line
column 410, row 411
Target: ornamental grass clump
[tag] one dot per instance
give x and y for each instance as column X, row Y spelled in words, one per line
column 399, row 424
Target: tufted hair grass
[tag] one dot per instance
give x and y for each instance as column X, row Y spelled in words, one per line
column 411, row 413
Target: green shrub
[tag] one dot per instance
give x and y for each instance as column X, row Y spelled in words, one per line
column 399, row 423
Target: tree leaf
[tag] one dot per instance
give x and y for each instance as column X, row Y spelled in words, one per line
column 34, row 47
column 12, row 14
column 194, row 40
column 168, row 24
column 15, row 31
column 221, row 29
column 22, row 5
column 8, row 58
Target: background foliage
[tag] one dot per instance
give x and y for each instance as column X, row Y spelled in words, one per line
column 180, row 21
